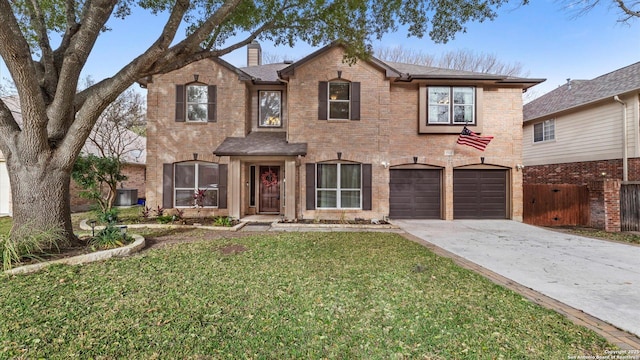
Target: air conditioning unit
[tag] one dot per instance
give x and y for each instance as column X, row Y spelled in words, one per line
column 126, row 197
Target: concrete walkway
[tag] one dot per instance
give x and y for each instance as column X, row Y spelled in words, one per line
column 598, row 277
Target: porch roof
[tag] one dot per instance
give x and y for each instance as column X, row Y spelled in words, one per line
column 260, row 144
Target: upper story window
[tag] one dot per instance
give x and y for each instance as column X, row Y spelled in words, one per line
column 196, row 102
column 451, row 105
column 193, row 177
column 544, row 131
column 339, row 100
column 270, row 108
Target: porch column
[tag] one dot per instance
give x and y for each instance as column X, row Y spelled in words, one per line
column 234, row 188
column 290, row 189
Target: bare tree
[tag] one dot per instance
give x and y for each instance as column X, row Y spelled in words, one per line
column 402, row 55
column 627, row 9
column 465, row 60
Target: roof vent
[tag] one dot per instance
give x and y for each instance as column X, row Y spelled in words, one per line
column 288, row 61
column 569, row 83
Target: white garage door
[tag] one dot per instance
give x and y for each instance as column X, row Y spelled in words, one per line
column 5, row 190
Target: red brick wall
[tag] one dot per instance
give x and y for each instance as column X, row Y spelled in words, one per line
column 580, row 173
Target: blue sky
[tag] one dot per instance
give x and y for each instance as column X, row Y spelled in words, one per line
column 543, row 36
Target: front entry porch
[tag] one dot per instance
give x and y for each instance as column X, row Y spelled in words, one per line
column 263, row 173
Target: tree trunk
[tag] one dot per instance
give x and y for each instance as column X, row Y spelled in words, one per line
column 40, row 199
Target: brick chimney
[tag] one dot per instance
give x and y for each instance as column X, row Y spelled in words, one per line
column 254, row 54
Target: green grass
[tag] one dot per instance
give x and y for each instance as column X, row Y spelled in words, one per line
column 5, row 224
column 628, row 237
column 290, row 295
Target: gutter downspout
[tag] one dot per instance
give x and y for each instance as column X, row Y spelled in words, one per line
column 625, row 155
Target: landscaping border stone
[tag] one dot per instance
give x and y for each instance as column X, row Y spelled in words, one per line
column 137, row 245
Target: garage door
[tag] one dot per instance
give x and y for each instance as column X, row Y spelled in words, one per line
column 5, row 190
column 480, row 194
column 414, row 194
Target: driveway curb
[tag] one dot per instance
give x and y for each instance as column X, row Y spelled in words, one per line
column 623, row 339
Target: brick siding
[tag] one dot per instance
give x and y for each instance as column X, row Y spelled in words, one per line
column 580, row 173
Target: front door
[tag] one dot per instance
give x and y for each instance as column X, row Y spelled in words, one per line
column 269, row 189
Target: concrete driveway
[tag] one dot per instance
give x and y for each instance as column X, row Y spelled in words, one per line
column 601, row 278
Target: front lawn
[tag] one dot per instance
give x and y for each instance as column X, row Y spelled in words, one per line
column 281, row 296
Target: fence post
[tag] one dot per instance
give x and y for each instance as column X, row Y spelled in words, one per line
column 611, row 191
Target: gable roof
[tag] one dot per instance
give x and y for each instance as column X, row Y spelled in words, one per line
column 409, row 72
column 578, row 93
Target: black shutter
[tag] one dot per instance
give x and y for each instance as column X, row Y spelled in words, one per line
column 212, row 106
column 180, row 103
column 323, row 88
column 222, row 186
column 311, row 186
column 167, row 186
column 355, row 101
column 366, row 186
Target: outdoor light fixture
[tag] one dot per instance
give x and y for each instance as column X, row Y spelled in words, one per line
column 339, row 74
column 123, row 232
column 195, row 156
column 339, row 155
column 195, row 77
column 92, row 223
column 415, row 159
column 482, row 159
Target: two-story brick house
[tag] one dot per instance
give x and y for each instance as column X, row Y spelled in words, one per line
column 319, row 138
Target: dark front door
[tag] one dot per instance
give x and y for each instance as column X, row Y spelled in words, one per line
column 269, row 181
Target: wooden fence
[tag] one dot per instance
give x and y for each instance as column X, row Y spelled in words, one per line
column 556, row 205
column 630, row 207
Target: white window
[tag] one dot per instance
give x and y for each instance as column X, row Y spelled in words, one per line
column 269, row 112
column 339, row 100
column 451, row 105
column 544, row 131
column 193, row 177
column 197, row 101
column 339, row 186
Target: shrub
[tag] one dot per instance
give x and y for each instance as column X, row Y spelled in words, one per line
column 107, row 216
column 29, row 244
column 165, row 219
column 146, row 212
column 159, row 211
column 108, row 238
column 223, row 221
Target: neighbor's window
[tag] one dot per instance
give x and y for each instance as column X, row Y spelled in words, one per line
column 339, row 100
column 270, row 109
column 544, row 131
column 339, row 186
column 197, row 98
column 192, row 177
column 451, row 105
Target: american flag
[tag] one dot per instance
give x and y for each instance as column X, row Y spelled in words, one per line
column 469, row 138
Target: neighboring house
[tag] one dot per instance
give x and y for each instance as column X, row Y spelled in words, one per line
column 134, row 167
column 320, row 139
column 585, row 130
